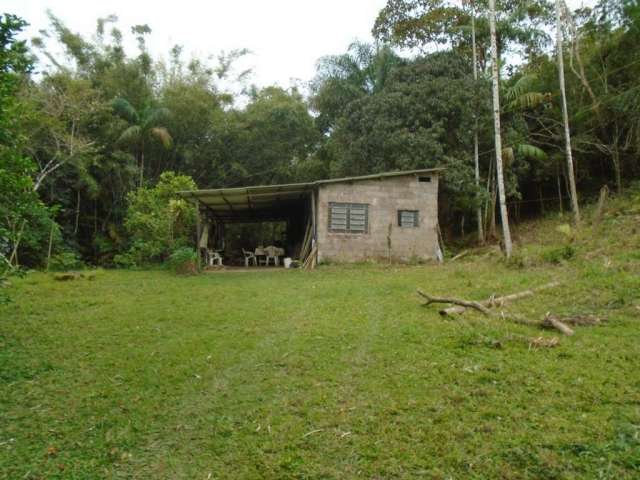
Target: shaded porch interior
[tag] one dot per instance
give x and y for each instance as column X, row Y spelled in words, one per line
column 232, row 219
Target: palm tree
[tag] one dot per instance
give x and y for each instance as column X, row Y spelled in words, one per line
column 363, row 70
column 144, row 127
column 504, row 216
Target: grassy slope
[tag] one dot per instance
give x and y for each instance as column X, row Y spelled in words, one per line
column 145, row 375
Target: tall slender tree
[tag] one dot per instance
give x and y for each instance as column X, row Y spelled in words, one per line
column 476, row 156
column 495, row 74
column 565, row 118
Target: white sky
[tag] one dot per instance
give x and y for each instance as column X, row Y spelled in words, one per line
column 286, row 36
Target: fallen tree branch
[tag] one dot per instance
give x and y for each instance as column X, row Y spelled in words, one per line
column 456, row 301
column 500, row 301
column 460, row 255
column 553, row 322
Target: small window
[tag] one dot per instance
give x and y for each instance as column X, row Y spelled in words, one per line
column 348, row 217
column 408, row 218
column 424, row 179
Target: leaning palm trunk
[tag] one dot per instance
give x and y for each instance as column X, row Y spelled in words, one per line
column 476, row 160
column 565, row 120
column 504, row 216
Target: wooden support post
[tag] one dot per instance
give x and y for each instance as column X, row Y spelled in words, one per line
column 314, row 247
column 198, row 234
column 313, row 216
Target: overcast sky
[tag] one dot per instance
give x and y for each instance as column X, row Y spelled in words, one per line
column 286, row 36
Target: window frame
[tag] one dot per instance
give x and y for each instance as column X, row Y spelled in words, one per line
column 348, row 206
column 416, row 218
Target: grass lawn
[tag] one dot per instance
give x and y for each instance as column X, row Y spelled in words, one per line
column 336, row 373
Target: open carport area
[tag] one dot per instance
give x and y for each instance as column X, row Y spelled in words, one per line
column 232, row 221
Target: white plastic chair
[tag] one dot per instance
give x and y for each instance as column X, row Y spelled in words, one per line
column 214, row 257
column 249, row 257
column 273, row 253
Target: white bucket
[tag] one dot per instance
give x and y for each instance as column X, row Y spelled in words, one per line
column 287, row 262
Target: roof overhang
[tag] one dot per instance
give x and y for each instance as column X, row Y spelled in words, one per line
column 272, row 202
column 264, row 202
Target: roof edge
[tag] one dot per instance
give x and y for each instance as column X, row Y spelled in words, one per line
column 305, row 185
column 373, row 176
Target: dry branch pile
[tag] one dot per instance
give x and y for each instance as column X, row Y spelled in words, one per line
column 488, row 308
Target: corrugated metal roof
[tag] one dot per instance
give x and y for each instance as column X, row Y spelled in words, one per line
column 262, row 199
column 380, row 175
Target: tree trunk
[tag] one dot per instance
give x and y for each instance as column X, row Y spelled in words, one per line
column 504, row 215
column 559, row 193
column 13, row 258
column 476, row 159
column 615, row 157
column 488, row 201
column 75, row 228
column 50, row 245
column 565, row 120
column 141, row 167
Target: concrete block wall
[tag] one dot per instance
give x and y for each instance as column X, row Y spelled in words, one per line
column 385, row 197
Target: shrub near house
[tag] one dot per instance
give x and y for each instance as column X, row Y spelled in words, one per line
column 158, row 222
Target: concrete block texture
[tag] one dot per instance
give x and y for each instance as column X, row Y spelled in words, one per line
column 385, row 197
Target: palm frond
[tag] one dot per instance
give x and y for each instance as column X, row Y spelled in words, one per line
column 153, row 117
column 528, row 100
column 523, row 85
column 163, row 135
column 124, row 109
column 531, row 151
column 130, row 135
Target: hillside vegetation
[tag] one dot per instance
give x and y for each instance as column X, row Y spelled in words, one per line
column 95, row 137
column 335, row 373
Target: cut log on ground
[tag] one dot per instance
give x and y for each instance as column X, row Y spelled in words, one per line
column 460, row 255
column 551, row 321
column 455, row 301
column 500, row 301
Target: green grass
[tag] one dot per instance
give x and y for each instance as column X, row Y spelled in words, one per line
column 336, row 373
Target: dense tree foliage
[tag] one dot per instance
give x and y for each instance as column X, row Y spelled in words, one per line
column 157, row 221
column 24, row 219
column 87, row 141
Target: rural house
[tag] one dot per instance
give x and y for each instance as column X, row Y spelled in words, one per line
column 390, row 215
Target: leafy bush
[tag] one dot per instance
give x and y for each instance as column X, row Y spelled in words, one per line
column 65, row 261
column 559, row 254
column 183, row 261
column 518, row 261
column 157, row 221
